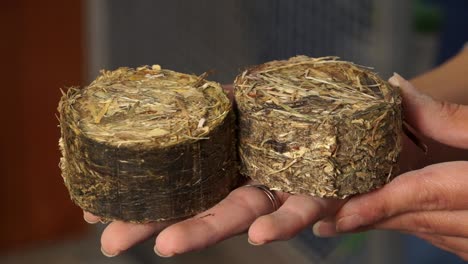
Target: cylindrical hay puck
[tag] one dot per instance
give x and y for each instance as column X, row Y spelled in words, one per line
column 318, row 126
column 147, row 144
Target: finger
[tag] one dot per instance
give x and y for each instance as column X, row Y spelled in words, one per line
column 453, row 244
column 229, row 88
column 429, row 239
column 231, row 216
column 437, row 187
column 442, row 121
column 120, row 236
column 445, row 223
column 90, row 218
column 325, row 228
column 298, row 212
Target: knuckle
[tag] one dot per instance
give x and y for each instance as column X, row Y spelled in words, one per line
column 385, row 210
column 247, row 202
column 429, row 199
column 428, row 191
column 448, row 110
column 283, row 196
column 423, row 223
column 453, row 116
column 300, row 218
column 237, row 200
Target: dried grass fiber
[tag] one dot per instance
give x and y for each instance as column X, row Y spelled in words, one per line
column 318, row 126
column 147, row 144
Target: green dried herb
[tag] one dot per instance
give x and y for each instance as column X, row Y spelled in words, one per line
column 147, row 144
column 318, row 126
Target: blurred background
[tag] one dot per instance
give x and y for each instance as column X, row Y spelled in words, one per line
column 53, row 44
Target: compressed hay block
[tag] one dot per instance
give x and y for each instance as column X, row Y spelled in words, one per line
column 318, row 126
column 147, row 144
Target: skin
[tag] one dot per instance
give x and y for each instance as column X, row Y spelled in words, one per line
column 246, row 209
column 429, row 203
column 448, row 82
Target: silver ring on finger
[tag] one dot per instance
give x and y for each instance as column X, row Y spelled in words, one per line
column 271, row 196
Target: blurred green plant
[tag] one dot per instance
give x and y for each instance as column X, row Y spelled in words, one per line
column 427, row 17
column 352, row 243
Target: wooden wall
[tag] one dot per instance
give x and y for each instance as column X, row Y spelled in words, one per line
column 42, row 50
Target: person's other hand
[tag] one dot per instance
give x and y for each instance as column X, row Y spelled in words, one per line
column 431, row 203
column 245, row 209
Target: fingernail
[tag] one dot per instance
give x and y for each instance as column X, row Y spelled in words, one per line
column 324, row 229
column 316, row 229
column 108, row 254
column 160, row 254
column 407, row 87
column 89, row 221
column 349, row 223
column 254, row 243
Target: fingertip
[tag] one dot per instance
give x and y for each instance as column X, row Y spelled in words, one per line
column 164, row 244
column 109, row 247
column 254, row 243
column 109, row 255
column 398, row 76
column 324, row 229
column 119, row 236
column 90, row 218
column 263, row 230
column 174, row 240
column 156, row 251
column 316, row 229
column 399, row 81
column 394, row 80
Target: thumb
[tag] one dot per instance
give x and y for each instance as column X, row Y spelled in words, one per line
column 439, row 120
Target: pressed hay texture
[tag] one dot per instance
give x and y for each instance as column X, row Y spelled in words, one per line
column 318, row 126
column 147, row 144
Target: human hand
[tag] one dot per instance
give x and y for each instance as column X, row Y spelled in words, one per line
column 245, row 209
column 430, row 203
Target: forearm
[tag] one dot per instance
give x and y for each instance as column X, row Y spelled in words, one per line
column 447, row 82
